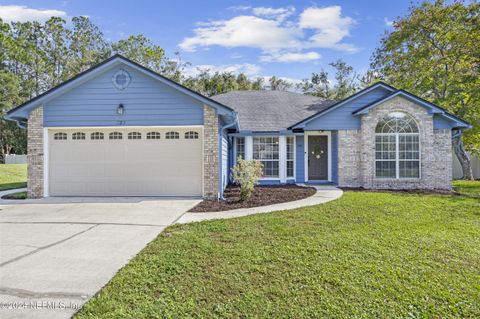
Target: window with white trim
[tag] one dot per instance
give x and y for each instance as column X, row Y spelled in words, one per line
column 240, row 147
column 266, row 150
column 290, row 156
column 60, row 136
column 115, row 136
column 191, row 135
column 172, row 135
column 397, row 147
column 78, row 136
column 134, row 136
column 153, row 135
column 96, row 136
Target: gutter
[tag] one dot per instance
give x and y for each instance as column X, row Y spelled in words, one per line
column 220, row 136
column 21, row 123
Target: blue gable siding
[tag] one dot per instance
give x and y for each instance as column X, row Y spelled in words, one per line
column 146, row 102
column 300, row 159
column 342, row 118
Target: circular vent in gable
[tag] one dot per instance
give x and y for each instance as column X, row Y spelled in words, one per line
column 121, row 79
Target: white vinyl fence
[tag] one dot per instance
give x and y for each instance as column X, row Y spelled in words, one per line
column 15, row 159
column 457, row 168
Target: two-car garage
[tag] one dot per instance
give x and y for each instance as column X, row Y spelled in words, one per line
column 133, row 161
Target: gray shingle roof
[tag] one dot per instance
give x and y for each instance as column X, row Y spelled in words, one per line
column 265, row 111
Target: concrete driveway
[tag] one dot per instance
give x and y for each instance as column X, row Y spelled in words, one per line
column 56, row 253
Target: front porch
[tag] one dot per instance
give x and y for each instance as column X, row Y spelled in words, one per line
column 309, row 157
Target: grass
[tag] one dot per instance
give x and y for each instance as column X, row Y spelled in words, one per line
column 17, row 195
column 13, row 176
column 467, row 188
column 365, row 255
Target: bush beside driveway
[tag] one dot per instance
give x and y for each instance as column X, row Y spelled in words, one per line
column 364, row 255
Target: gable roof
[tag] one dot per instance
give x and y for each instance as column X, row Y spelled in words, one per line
column 435, row 109
column 342, row 102
column 20, row 113
column 271, row 111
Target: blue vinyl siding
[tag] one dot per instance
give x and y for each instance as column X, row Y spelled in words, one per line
column 334, row 157
column 300, row 156
column 147, row 102
column 342, row 118
column 224, row 177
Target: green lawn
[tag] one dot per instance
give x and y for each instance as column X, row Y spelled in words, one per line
column 366, row 255
column 468, row 188
column 13, row 176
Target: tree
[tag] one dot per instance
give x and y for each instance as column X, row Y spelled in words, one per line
column 141, row 50
column 278, row 84
column 210, row 84
column 434, row 52
column 87, row 46
column 344, row 85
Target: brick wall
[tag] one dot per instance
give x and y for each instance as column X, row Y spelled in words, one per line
column 435, row 151
column 35, row 153
column 210, row 153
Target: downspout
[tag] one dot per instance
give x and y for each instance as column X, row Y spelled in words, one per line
column 456, row 133
column 220, row 168
column 22, row 125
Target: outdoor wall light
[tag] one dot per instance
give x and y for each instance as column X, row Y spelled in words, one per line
column 120, row 109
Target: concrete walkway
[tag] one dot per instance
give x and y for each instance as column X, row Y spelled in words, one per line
column 325, row 193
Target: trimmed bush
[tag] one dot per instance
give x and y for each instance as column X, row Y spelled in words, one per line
column 246, row 173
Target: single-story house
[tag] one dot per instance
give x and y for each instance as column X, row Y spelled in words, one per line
column 120, row 129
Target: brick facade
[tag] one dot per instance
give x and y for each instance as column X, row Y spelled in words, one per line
column 211, row 154
column 357, row 151
column 35, row 153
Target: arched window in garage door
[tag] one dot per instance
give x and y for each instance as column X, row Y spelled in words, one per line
column 115, row 136
column 172, row 135
column 96, row 136
column 134, row 136
column 60, row 136
column 191, row 135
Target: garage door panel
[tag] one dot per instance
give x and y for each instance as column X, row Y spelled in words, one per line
column 125, row 167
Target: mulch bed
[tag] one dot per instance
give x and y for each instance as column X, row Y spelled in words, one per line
column 262, row 196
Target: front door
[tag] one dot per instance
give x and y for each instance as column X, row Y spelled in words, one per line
column 317, row 157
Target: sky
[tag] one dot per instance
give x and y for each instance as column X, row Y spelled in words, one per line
column 289, row 39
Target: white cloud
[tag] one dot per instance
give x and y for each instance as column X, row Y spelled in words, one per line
column 242, row 31
column 275, row 13
column 250, row 70
column 388, row 23
column 329, row 25
column 291, row 57
column 274, row 30
column 13, row 13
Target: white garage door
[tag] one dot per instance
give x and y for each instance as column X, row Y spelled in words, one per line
column 125, row 162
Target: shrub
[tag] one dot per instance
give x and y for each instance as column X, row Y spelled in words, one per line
column 246, row 173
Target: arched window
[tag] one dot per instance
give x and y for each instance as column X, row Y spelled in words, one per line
column 96, row 136
column 78, row 136
column 115, row 135
column 191, row 135
column 60, row 136
column 153, row 135
column 134, row 136
column 397, row 147
column 172, row 135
